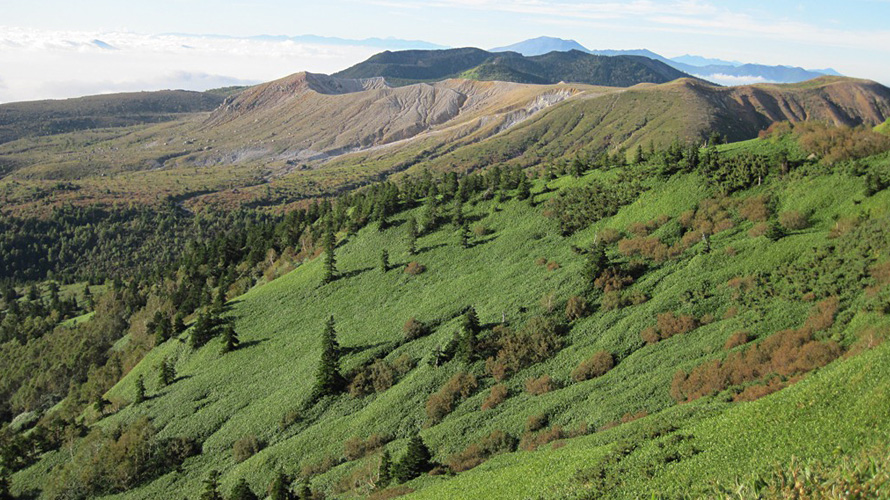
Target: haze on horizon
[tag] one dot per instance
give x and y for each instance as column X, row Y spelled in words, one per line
column 56, row 49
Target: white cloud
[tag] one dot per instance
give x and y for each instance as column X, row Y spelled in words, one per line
column 733, row 80
column 42, row 64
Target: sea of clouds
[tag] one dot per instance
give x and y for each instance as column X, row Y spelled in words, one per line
column 42, row 64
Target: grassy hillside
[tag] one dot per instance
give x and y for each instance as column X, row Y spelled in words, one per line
column 37, row 118
column 769, row 260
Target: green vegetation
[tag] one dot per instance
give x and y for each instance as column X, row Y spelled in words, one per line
column 699, row 321
column 412, row 66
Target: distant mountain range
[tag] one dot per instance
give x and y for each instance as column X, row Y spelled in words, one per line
column 413, row 66
column 716, row 70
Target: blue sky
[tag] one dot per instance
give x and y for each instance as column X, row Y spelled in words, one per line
column 851, row 36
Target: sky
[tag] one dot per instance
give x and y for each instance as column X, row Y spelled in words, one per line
column 48, row 48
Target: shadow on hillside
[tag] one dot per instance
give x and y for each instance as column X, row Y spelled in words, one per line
column 356, row 272
column 483, row 240
column 250, row 343
column 361, row 348
column 431, row 247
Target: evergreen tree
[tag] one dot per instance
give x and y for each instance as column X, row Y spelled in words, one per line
column 774, row 231
column 464, row 236
column 457, row 217
column 140, row 390
column 384, row 472
column 416, row 461
column 524, row 190
column 330, row 260
column 242, row 491
column 328, row 379
column 166, row 372
column 99, row 405
column 163, row 330
column 384, row 261
column 230, row 339
column 204, row 329
column 597, row 261
column 280, row 489
column 89, row 300
column 578, row 167
column 412, row 236
column 211, row 487
column 178, row 323
column 466, row 348
column 638, row 155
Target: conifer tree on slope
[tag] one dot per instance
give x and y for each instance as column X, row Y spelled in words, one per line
column 328, row 379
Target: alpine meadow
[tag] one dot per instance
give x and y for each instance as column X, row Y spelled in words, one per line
column 532, row 272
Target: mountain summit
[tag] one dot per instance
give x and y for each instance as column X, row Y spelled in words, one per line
column 541, row 45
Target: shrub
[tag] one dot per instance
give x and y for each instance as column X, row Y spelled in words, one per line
column 613, row 279
column 650, row 335
column 540, row 385
column 536, row 422
column 538, row 340
column 495, row 443
column 608, row 236
column 414, row 268
column 498, row 395
column 755, row 208
column 576, row 308
column 481, row 230
column 670, row 324
column 736, row 339
column 246, row 447
column 355, row 447
column 289, row 418
column 552, row 265
column 541, row 261
column 594, row 366
column 531, row 442
column 785, row 354
column 442, row 402
column 759, row 229
column 414, row 329
column 793, row 220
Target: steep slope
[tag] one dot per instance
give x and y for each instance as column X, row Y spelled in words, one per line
column 260, row 388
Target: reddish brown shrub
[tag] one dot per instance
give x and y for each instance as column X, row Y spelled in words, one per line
column 531, row 442
column 355, row 447
column 495, row 443
column 576, row 308
column 497, row 396
column 612, row 300
column 755, row 209
column 881, row 273
column 758, row 230
column 376, row 377
column 390, row 493
column 793, row 220
column 843, row 226
column 414, row 329
column 540, row 385
column 552, row 265
column 731, row 251
column 731, row 312
column 538, row 340
column 650, row 335
column 651, row 248
column 414, row 268
column 442, row 402
column 541, row 261
column 787, row 353
column 246, row 447
column 670, row 324
column 595, row 366
column 737, row 339
column 613, row 279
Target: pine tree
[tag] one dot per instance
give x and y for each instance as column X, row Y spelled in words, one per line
column 416, row 461
column 464, row 236
column 328, row 379
column 140, row 390
column 166, row 372
column 178, row 323
column 89, row 300
column 163, row 330
column 466, row 349
column 211, row 487
column 330, row 260
column 457, row 217
column 280, row 489
column 638, row 155
column 384, row 472
column 384, row 261
column 242, row 491
column 524, row 190
column 230, row 339
column 596, row 263
column 203, row 330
